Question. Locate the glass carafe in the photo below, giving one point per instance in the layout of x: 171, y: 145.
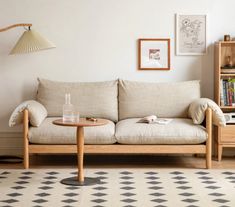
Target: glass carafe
x: 68, y: 109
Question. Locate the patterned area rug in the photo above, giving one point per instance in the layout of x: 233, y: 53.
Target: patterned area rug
x: 119, y: 188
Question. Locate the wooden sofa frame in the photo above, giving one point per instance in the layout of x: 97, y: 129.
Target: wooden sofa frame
x: 204, y: 148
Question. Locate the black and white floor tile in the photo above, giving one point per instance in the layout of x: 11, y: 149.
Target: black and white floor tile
x: 119, y: 188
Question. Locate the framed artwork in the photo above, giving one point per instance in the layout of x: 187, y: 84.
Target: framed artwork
x: 191, y: 34
x: 154, y: 54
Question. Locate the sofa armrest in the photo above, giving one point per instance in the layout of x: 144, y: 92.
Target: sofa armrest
x: 37, y: 113
x: 197, y: 111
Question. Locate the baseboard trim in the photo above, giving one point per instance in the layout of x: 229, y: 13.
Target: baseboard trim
x: 11, y: 143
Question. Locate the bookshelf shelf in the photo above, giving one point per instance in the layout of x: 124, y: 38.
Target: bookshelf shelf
x: 227, y: 107
x: 227, y: 43
x: 224, y: 92
x: 227, y: 75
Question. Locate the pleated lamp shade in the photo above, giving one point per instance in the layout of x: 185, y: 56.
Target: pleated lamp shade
x: 31, y: 41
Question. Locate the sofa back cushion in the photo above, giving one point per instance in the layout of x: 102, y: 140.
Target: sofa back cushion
x: 139, y: 99
x: 93, y: 99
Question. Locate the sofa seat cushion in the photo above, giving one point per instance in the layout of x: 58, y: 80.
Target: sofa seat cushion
x: 178, y: 131
x: 48, y: 133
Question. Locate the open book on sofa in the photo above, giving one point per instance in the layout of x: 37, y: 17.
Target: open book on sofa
x: 153, y: 119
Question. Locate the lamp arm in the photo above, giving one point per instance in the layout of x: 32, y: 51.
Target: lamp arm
x: 15, y: 25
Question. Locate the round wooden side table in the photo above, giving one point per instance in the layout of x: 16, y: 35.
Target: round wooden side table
x: 80, y: 180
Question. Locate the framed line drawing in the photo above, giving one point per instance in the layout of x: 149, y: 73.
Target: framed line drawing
x: 154, y: 54
x: 191, y: 34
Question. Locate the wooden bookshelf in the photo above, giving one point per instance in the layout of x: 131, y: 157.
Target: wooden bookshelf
x: 225, y: 136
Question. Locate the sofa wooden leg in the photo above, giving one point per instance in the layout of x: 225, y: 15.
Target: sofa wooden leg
x: 26, y: 141
x: 26, y: 161
x: 26, y: 154
x: 209, y: 138
x: 208, y: 160
x: 208, y: 154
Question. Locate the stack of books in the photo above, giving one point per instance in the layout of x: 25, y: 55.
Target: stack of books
x: 227, y: 92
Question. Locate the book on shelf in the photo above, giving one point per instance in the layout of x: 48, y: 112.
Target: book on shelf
x: 227, y: 92
x: 229, y: 71
x: 152, y: 119
x: 221, y: 93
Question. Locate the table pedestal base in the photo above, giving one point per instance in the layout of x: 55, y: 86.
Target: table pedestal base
x: 74, y: 181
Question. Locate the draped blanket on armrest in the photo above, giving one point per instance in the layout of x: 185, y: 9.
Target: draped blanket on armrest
x: 37, y: 113
x: 197, y: 111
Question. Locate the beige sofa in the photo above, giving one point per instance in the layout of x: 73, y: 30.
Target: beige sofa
x: 123, y: 103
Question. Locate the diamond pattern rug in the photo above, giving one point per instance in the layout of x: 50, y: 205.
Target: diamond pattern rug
x: 119, y: 188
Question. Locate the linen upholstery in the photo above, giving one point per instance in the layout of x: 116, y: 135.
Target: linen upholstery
x: 93, y: 99
x: 197, y: 110
x: 168, y: 100
x: 48, y: 133
x: 37, y: 113
x: 178, y: 131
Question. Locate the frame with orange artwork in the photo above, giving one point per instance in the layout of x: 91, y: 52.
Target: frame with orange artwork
x: 154, y: 54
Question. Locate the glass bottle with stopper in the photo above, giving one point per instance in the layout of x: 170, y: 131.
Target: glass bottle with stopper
x: 68, y: 109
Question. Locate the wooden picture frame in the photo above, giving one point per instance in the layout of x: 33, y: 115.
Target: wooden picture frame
x: 191, y: 34
x: 154, y: 54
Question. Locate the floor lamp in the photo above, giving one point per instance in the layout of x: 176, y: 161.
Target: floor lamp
x: 30, y: 41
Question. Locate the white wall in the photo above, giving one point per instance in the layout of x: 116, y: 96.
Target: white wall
x: 97, y: 40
